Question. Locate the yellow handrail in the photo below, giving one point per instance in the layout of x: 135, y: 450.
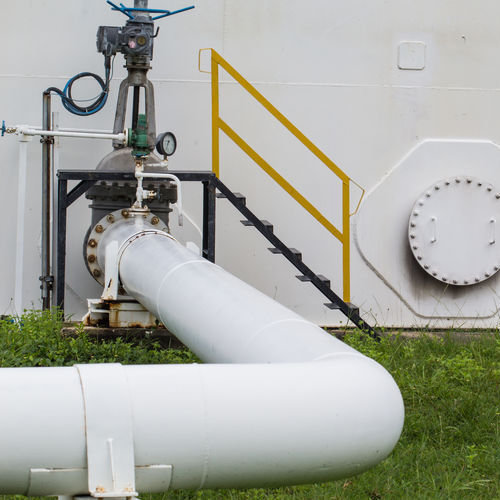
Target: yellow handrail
x: 219, y: 124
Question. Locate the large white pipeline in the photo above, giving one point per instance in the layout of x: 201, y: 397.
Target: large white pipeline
x: 287, y: 403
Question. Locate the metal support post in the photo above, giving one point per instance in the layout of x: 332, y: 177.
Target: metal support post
x: 209, y: 221
x: 61, y: 242
x: 46, y: 278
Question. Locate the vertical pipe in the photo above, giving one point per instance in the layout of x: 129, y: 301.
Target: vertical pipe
x: 208, y: 221
x: 62, y: 189
x: 46, y: 209
x: 215, y: 115
x: 21, y: 210
x: 53, y: 205
x: 141, y: 4
x: 135, y: 106
x: 346, y: 242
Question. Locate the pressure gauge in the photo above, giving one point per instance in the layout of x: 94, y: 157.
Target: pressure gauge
x: 166, y: 143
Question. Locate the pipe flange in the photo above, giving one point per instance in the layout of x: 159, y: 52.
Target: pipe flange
x: 453, y: 230
x: 100, y: 228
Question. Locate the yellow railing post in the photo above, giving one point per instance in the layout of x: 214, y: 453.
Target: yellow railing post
x: 346, y: 243
x: 215, y: 114
x: 218, y: 124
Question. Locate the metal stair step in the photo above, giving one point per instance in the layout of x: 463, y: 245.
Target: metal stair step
x: 303, y: 278
x: 296, y: 253
x: 352, y: 308
x: 324, y: 280
x: 240, y: 197
x: 306, y: 279
x: 269, y: 227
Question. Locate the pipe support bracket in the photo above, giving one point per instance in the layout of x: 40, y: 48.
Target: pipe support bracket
x: 108, y: 430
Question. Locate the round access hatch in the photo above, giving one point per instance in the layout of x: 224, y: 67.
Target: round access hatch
x: 453, y: 230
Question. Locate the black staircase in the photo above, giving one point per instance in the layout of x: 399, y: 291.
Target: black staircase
x: 295, y: 257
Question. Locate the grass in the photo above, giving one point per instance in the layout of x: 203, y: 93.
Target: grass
x: 450, y: 446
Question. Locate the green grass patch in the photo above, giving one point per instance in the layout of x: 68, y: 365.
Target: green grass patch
x: 450, y: 446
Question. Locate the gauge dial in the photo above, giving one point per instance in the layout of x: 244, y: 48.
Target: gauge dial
x: 166, y: 144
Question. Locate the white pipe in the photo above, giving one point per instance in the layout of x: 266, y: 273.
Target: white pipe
x: 140, y: 175
x: 90, y: 130
x: 68, y: 129
x: 290, y: 404
x: 20, y: 222
x: 21, y: 129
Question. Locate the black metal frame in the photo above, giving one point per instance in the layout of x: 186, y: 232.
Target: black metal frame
x: 210, y: 183
x: 88, y: 178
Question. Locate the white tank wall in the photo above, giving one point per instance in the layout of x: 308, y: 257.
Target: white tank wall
x: 333, y: 70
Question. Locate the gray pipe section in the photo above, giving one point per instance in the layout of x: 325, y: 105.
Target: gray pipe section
x: 46, y: 201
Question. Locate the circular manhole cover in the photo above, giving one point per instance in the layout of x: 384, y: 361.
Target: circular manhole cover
x: 453, y: 230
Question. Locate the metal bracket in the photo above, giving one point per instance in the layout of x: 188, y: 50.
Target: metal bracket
x: 109, y: 431
x: 47, y: 281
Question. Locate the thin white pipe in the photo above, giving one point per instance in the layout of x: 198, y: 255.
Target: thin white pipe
x: 59, y: 133
x: 69, y: 129
x: 20, y: 222
x: 90, y: 130
x: 140, y: 175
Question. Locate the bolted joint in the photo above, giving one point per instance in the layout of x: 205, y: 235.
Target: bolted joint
x: 47, y: 282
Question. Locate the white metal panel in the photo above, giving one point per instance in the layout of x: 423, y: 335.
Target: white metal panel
x: 332, y: 68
